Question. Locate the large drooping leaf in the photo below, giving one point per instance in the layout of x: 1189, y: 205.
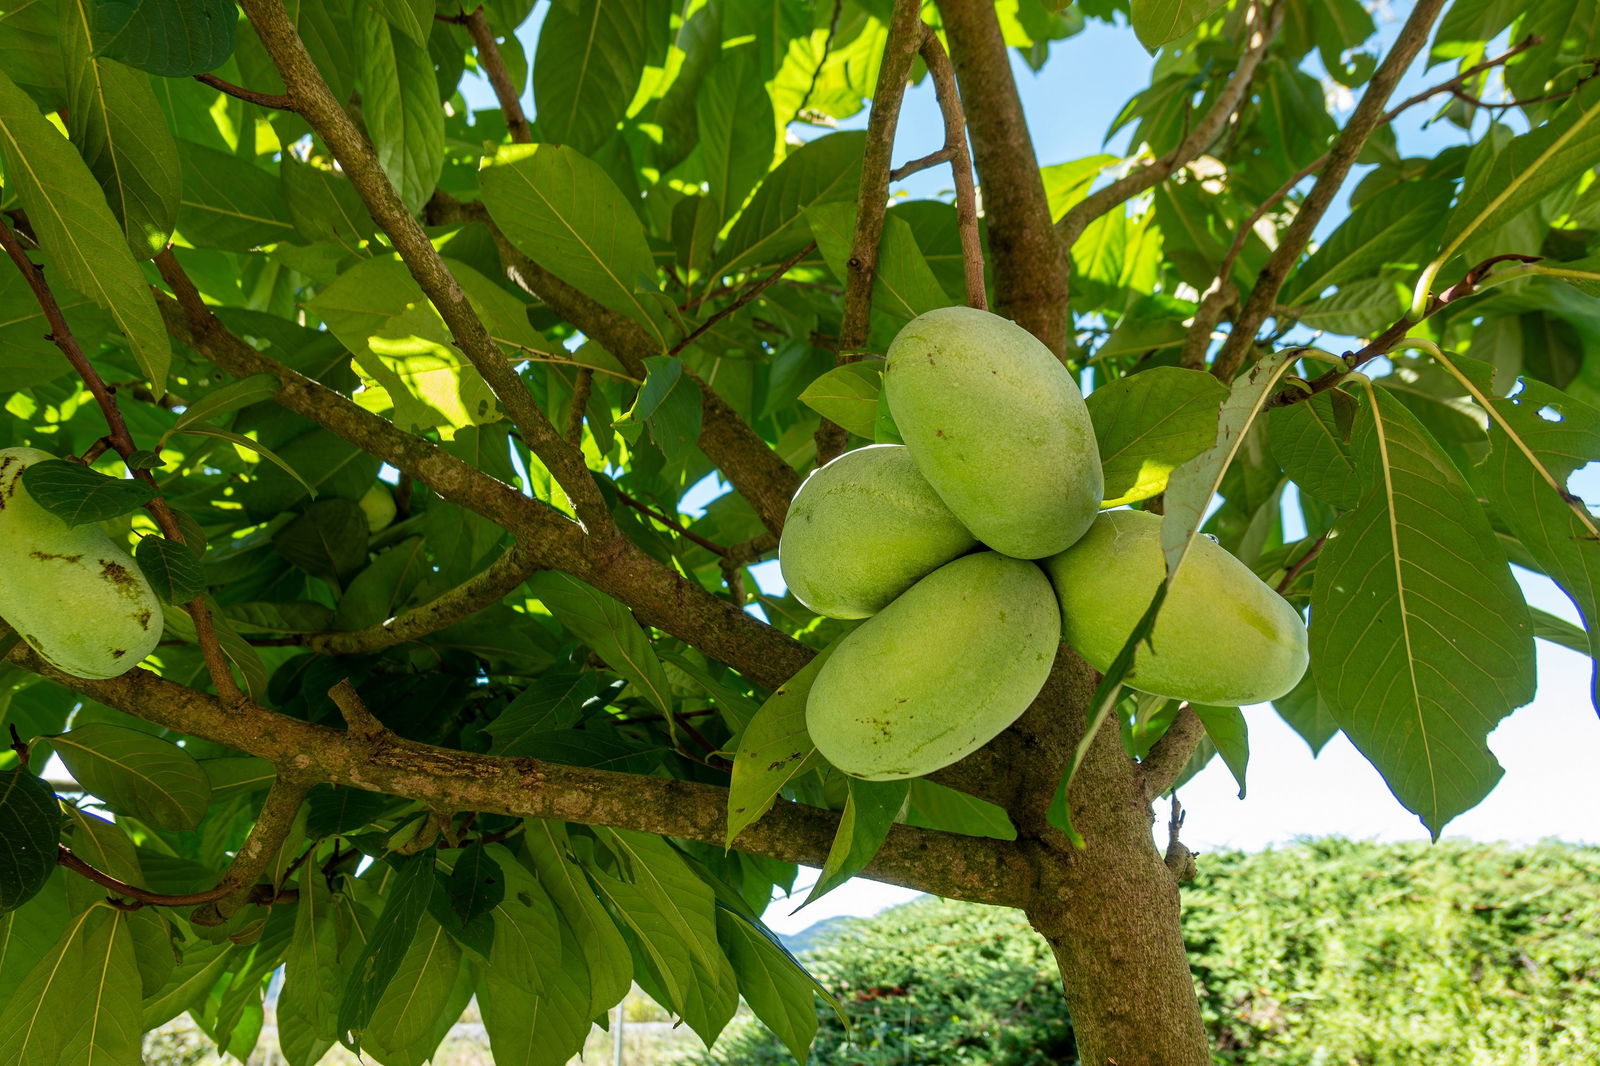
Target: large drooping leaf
x: 553, y: 701
x: 79, y: 1004
x: 587, y: 66
x: 773, y: 225
x: 78, y: 496
x: 870, y: 810
x: 1420, y: 639
x: 776, y: 987
x: 1147, y: 424
x: 424, y: 998
x: 113, y: 117
x: 401, y: 106
x: 137, y: 774
x: 596, y: 938
x: 1539, y: 437
x: 562, y: 210
x: 734, y: 115
x: 1398, y: 227
x: 172, y: 38
x: 405, y: 904
x: 81, y: 239
x: 848, y: 396
x: 30, y: 826
x: 1159, y: 21
x: 1501, y: 184
x: 1225, y: 728
x: 609, y: 628
x: 312, y: 975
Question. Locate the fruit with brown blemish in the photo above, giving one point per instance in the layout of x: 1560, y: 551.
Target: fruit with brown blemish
x: 1222, y: 637
x: 78, y: 599
x: 862, y: 530
x: 937, y: 673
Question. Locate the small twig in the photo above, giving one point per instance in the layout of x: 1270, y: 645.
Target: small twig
x: 1213, y: 305
x: 1501, y: 105
x: 749, y: 293
x: 359, y: 721
x: 494, y: 67
x: 955, y: 134
x: 1283, y: 191
x: 18, y: 745
x: 1179, y: 859
x: 872, y: 198
x: 580, y: 400
x: 1299, y: 565
x: 916, y: 166
x: 671, y: 523
x: 273, y: 101
x: 122, y: 440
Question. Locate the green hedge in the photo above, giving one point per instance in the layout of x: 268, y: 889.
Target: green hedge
x: 1327, y: 953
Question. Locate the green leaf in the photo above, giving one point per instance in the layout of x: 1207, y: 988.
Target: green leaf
x: 113, y: 117
x: 172, y: 38
x: 28, y: 933
x: 137, y: 774
x: 561, y: 208
x: 937, y: 807
x: 80, y: 237
x: 776, y: 987
x: 551, y: 702
x: 476, y: 884
x: 774, y: 749
x: 401, y: 106
x: 773, y: 225
x: 249, y: 445
x: 587, y: 67
x: 228, y: 202
x: 380, y: 591
x: 1314, y: 449
x: 405, y: 904
x: 1307, y: 714
x: 608, y: 628
x: 1225, y: 727
x: 734, y: 115
x: 669, y: 405
x: 323, y: 205
x: 1538, y: 438
x: 1420, y: 639
x: 527, y: 936
x: 312, y: 976
x: 1560, y: 632
x: 903, y: 284
x: 848, y: 396
x: 230, y: 397
x: 1150, y: 423
x: 1502, y: 184
x: 328, y: 540
x: 1395, y: 229
x: 424, y: 998
x: 870, y: 810
x: 1357, y: 309
x: 1159, y: 21
x: 239, y: 651
x: 599, y: 942
x: 171, y: 568
x: 30, y: 826
x: 79, y: 1005
x: 414, y: 18
x: 77, y: 495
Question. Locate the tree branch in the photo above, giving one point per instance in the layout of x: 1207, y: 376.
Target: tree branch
x: 494, y: 66
x: 959, y: 867
x: 658, y: 595
x: 271, y: 101
x: 955, y: 141
x: 1200, y: 138
x: 872, y: 199
x: 1366, y: 118
x: 315, y: 103
x: 1029, y: 260
x: 122, y: 440
x: 273, y: 824
x: 1171, y: 753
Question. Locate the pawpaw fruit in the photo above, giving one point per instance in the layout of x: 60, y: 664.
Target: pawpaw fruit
x: 1222, y: 637
x: 999, y: 428
x: 937, y: 673
x: 379, y: 507
x: 78, y: 600
x: 862, y: 530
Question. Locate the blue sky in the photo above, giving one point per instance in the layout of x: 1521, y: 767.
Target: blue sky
x: 1548, y: 748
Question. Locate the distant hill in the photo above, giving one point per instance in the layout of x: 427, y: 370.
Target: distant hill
x: 815, y: 932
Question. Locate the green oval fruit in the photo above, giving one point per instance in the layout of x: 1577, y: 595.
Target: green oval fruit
x: 998, y: 427
x: 378, y: 506
x: 862, y: 530
x: 937, y: 673
x: 77, y: 599
x: 1222, y: 637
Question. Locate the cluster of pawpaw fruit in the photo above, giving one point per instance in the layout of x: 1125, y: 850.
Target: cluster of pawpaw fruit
x: 75, y: 597
x: 978, y: 546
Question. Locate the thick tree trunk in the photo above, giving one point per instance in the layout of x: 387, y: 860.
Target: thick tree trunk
x: 1109, y: 910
